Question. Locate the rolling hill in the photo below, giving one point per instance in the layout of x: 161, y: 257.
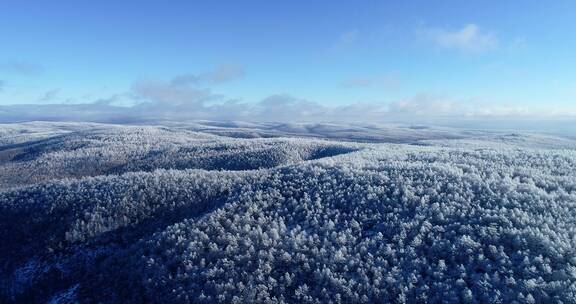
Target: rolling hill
x: 272, y: 213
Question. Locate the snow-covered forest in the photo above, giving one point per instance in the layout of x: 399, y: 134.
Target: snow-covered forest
x: 212, y: 212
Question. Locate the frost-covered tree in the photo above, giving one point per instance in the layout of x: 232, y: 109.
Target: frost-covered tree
x: 164, y: 215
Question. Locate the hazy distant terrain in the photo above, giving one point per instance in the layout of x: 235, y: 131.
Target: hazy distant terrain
x: 208, y: 211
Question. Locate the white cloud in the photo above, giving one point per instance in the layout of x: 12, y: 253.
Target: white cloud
x: 221, y: 74
x: 21, y: 68
x: 429, y: 105
x: 469, y: 38
x: 186, y: 100
x: 183, y: 92
x: 524, y: 112
x: 388, y: 81
x: 167, y: 93
x: 49, y: 95
x: 283, y: 107
x: 421, y: 109
x: 346, y: 39
x: 349, y: 37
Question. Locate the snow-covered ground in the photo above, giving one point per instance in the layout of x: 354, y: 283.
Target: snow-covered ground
x: 296, y: 213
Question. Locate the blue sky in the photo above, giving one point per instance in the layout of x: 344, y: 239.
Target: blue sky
x: 471, y: 57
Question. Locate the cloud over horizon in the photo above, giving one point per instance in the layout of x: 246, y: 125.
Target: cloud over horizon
x: 190, y: 97
x: 157, y: 102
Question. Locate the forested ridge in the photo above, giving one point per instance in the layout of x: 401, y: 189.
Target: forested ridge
x: 113, y: 214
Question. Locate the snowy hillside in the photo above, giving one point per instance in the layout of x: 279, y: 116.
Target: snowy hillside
x: 237, y: 212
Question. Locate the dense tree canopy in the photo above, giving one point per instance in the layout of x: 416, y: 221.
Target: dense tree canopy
x: 159, y: 215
